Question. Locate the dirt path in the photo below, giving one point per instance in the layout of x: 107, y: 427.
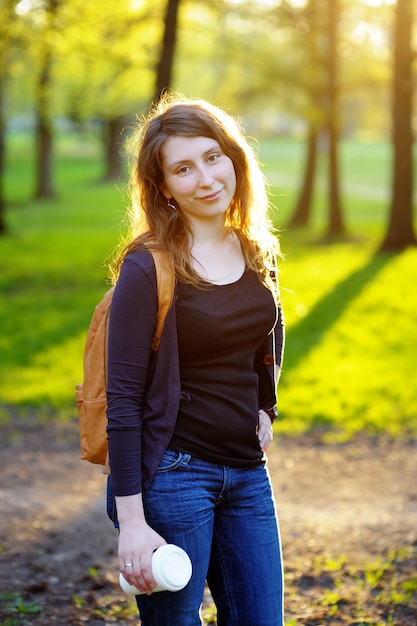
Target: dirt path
x: 344, y: 510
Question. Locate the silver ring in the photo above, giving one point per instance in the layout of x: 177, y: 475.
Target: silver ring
x: 128, y: 564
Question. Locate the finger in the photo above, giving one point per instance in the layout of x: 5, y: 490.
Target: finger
x: 263, y: 430
x: 131, y: 571
x: 140, y: 575
x: 126, y: 566
x: 265, y: 436
x: 262, y: 443
x: 128, y: 571
x: 146, y: 572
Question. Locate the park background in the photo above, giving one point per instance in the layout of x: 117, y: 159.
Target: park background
x: 326, y: 89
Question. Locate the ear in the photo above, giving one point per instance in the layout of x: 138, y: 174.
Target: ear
x: 166, y: 194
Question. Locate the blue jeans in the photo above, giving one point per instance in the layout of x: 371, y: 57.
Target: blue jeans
x: 225, y: 520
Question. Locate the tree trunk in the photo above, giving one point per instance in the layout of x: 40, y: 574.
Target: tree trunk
x: 113, y: 141
x: 335, y: 227
x: 400, y: 233
x: 164, y: 70
x: 44, y: 185
x: 44, y: 141
x: 302, y: 213
x: 2, y: 157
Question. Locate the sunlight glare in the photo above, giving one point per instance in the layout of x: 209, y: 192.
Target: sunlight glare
x: 365, y: 31
x: 270, y: 4
x: 378, y: 3
x: 23, y: 7
x: 136, y: 4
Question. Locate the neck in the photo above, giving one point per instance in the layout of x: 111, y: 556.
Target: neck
x: 211, y: 233
x: 217, y: 255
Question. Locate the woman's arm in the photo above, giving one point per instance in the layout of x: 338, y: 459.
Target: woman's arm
x: 269, y: 370
x: 131, y: 328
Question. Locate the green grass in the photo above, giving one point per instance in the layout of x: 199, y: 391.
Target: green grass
x: 53, y: 275
x: 350, y: 313
x: 365, y: 177
x: 351, y: 340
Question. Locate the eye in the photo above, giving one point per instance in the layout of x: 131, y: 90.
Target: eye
x: 213, y: 157
x: 184, y: 169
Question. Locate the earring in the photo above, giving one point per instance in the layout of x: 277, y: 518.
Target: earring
x: 174, y: 210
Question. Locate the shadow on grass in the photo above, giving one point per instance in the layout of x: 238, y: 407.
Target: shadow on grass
x: 305, y: 335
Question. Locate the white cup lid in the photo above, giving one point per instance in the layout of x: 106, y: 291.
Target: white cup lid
x: 172, y: 567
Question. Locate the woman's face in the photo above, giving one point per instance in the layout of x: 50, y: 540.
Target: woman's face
x: 198, y: 176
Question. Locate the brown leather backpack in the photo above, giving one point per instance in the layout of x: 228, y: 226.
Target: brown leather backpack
x: 91, y: 394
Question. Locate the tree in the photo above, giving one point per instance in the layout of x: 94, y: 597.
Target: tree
x: 114, y: 52
x: 323, y: 111
x: 8, y: 37
x: 335, y: 225
x: 163, y: 77
x: 302, y: 213
x: 400, y: 232
x: 44, y: 131
x: 164, y: 70
x: 2, y: 157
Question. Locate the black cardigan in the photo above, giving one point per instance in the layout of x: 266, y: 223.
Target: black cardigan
x: 144, y: 388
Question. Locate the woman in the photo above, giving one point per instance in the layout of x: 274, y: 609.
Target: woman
x: 188, y: 426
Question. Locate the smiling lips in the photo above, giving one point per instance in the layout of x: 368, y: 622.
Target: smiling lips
x: 211, y: 196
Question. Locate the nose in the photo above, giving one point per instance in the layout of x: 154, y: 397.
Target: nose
x: 205, y: 177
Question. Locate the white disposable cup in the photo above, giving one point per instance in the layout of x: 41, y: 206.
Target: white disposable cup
x: 171, y: 569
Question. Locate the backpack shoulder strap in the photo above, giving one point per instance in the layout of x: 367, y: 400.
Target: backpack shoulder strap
x: 165, y: 281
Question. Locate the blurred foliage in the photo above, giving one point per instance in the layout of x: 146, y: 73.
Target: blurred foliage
x: 351, y: 323
x: 253, y: 57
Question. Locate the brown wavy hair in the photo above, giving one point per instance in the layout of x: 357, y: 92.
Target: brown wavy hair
x: 150, y: 219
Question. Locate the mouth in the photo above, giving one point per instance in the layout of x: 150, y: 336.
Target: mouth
x: 211, y: 196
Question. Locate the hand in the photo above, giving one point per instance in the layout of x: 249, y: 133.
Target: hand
x: 136, y: 546
x: 137, y: 542
x: 265, y: 432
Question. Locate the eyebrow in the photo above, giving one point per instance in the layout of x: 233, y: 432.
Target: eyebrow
x: 215, y: 146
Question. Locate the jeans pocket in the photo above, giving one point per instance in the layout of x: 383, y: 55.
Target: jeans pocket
x: 171, y: 460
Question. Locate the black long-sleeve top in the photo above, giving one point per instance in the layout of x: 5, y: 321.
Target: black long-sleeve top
x: 220, y: 329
